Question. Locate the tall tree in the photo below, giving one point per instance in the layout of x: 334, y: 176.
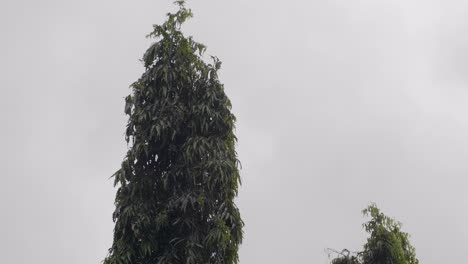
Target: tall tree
x: 178, y: 181
x: 387, y: 244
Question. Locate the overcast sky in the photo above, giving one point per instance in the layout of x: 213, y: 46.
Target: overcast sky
x: 339, y: 103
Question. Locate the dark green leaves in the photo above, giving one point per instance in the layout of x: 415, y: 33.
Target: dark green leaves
x: 175, y: 202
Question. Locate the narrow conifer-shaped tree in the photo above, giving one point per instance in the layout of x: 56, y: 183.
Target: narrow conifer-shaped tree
x: 178, y: 181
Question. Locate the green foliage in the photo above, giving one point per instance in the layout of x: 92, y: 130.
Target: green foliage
x: 387, y: 244
x: 345, y: 258
x: 178, y: 181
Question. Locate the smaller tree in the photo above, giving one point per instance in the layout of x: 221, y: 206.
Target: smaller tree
x: 387, y: 244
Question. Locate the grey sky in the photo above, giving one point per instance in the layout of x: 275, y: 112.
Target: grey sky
x: 339, y: 103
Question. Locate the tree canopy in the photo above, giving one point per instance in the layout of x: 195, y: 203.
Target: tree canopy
x: 387, y: 244
x: 178, y: 181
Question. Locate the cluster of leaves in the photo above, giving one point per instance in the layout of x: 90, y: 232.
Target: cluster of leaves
x: 345, y: 258
x: 178, y: 181
x: 387, y: 244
